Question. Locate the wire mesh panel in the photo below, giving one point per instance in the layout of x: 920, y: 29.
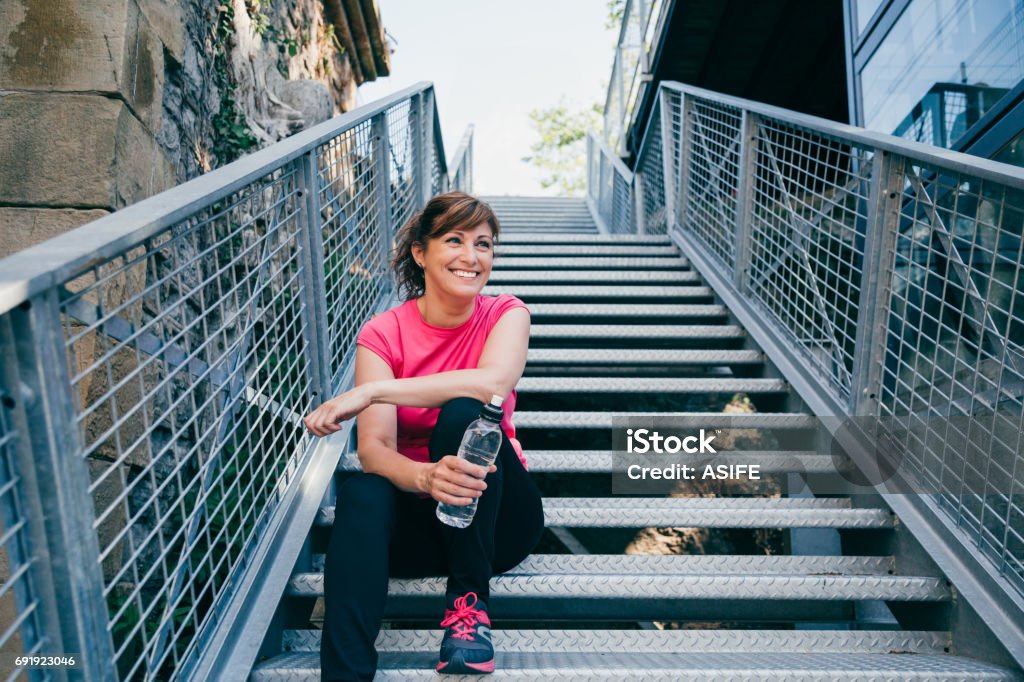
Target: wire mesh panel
x: 622, y: 205
x: 23, y: 633
x: 808, y: 207
x: 401, y: 174
x: 652, y: 169
x: 954, y: 349
x: 356, y: 237
x: 189, y: 373
x: 709, y: 198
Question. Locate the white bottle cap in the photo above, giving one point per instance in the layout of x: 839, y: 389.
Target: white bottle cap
x: 497, y: 400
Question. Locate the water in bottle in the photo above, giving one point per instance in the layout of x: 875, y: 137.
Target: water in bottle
x: 480, y: 446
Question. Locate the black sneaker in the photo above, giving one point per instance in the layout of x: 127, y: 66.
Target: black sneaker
x: 466, y: 648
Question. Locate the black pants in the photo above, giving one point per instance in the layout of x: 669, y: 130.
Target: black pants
x: 381, y: 531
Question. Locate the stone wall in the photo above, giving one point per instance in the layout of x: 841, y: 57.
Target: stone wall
x: 107, y: 102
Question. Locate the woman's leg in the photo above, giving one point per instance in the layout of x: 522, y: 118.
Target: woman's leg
x: 508, y: 521
x: 356, y: 577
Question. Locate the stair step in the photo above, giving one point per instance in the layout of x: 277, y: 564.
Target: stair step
x: 526, y: 419
x: 699, y: 512
x: 578, y: 250
x: 607, y: 262
x: 594, y: 385
x: 641, y: 356
x: 634, y: 585
x: 659, y: 641
x: 626, y: 310
x: 529, y: 292
x: 623, y: 277
x: 556, y: 238
x: 613, y: 332
x: 601, y: 461
x: 656, y: 665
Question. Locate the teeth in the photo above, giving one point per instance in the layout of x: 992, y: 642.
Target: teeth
x: 465, y: 274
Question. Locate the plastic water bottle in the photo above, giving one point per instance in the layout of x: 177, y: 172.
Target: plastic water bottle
x: 480, y: 446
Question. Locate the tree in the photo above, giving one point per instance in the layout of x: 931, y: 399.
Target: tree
x: 562, y: 149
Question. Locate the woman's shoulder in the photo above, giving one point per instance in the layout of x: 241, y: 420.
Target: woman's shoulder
x: 386, y: 320
x: 494, y: 307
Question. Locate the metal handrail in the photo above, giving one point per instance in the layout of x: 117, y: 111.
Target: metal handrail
x: 879, y: 275
x: 157, y: 363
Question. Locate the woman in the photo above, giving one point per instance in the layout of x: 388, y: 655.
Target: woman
x: 424, y: 369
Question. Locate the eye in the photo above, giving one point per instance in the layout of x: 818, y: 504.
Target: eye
x: 453, y: 239
x: 483, y: 243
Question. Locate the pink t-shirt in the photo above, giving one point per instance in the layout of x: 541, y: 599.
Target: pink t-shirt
x: 414, y: 348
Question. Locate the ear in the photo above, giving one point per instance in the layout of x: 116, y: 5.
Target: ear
x: 417, y: 251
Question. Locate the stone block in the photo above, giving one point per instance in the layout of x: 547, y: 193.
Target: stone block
x: 310, y: 97
x: 21, y: 228
x: 166, y: 17
x: 87, y: 151
x: 107, y: 46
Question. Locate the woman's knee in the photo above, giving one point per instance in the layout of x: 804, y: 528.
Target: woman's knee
x: 452, y: 420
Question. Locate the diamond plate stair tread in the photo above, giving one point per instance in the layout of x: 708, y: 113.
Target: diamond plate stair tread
x: 600, y: 461
x: 695, y: 564
x: 526, y: 291
x: 660, y: 641
x: 721, y: 667
x: 646, y: 356
x: 630, y: 331
x: 618, y: 277
x: 710, y: 420
x: 596, y: 310
x: 624, y: 263
x: 634, y: 585
x: 648, y: 385
x: 556, y: 238
x: 577, y: 250
x: 699, y: 512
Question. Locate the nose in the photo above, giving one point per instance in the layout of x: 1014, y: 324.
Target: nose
x: 469, y: 253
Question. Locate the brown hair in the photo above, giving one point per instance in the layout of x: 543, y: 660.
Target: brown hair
x: 441, y: 215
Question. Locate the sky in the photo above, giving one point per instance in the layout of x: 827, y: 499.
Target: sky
x: 491, y: 62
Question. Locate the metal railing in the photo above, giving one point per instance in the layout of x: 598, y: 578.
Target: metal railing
x: 643, y: 22
x: 460, y: 168
x: 609, y: 188
x: 157, y: 364
x: 884, y: 278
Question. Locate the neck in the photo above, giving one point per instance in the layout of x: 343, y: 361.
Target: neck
x: 444, y: 312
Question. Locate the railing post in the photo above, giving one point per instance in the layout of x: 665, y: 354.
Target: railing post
x: 881, y: 228
x: 668, y: 147
x: 639, y: 219
x: 427, y: 130
x: 314, y: 287
x: 679, y: 216
x: 62, y: 480
x: 28, y: 548
x: 746, y: 177
x: 419, y: 150
x: 382, y: 186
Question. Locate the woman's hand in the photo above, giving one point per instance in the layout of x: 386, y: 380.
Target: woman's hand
x: 326, y: 419
x: 453, y: 480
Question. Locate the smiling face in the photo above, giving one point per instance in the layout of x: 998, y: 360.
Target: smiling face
x: 458, y: 263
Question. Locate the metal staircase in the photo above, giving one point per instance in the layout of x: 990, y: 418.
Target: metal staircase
x: 619, y: 323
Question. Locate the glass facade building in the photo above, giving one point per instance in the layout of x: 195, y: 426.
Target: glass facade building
x: 943, y: 72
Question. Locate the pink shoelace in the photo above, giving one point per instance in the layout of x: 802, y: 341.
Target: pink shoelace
x: 464, y: 618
